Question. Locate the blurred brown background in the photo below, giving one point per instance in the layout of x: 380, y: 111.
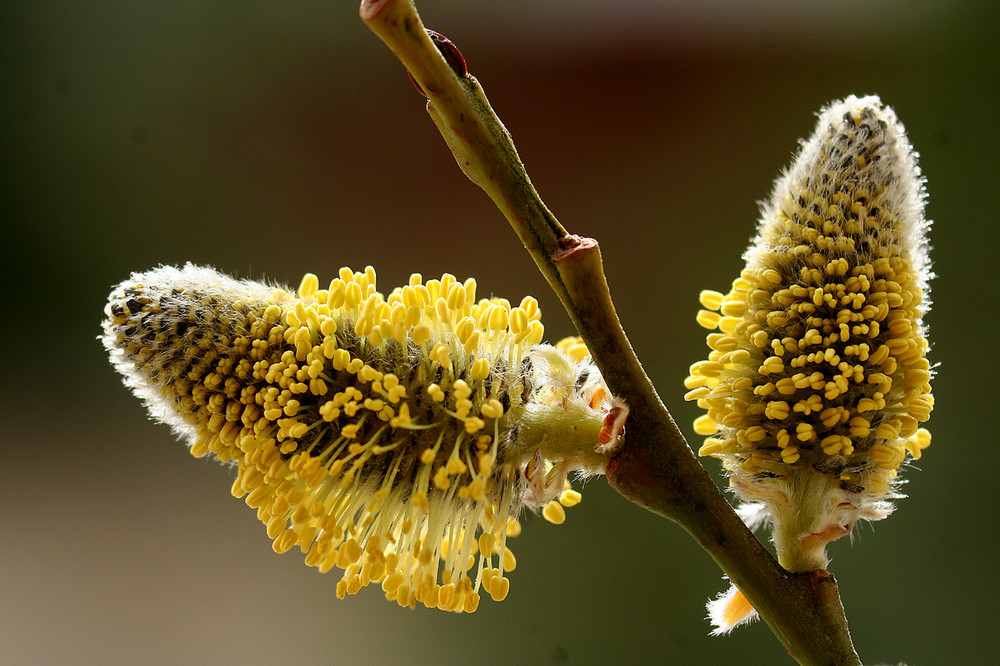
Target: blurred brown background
x: 274, y: 138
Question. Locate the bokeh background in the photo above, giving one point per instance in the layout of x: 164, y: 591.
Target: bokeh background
x: 273, y: 138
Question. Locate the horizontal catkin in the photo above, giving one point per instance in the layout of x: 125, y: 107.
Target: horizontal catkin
x: 375, y: 433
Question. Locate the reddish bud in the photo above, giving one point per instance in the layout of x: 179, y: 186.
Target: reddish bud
x: 451, y: 54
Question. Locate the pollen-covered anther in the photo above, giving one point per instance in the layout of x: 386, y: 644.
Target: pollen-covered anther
x: 554, y: 513
x: 379, y: 434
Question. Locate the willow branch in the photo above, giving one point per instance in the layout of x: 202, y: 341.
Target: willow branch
x: 654, y: 466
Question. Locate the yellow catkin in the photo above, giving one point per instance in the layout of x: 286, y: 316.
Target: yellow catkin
x: 377, y: 433
x: 818, y: 381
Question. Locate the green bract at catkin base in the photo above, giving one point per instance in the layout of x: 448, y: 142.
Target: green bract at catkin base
x: 395, y: 438
x: 817, y: 380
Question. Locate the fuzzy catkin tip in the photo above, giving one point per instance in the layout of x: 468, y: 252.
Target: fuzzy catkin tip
x: 729, y: 610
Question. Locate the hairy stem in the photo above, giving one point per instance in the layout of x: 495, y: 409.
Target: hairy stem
x: 654, y: 467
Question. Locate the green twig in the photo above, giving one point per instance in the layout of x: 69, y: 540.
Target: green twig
x: 654, y: 467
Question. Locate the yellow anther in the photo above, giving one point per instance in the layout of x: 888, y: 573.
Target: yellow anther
x: 809, y: 405
x: 369, y: 277
x: 441, y: 353
x: 786, y: 386
x: 465, y: 327
x: 472, y: 344
x: 885, y: 456
x: 916, y: 377
x: 518, y: 320
x: 498, y: 318
x: 918, y: 442
x: 765, y: 389
x: 397, y: 393
x: 570, y: 498
x: 554, y: 513
x: 908, y: 425
x: 336, y: 294
x: 889, y: 430
x: 341, y: 357
x: 711, y: 300
x: 728, y: 324
x: 697, y: 394
x: 441, y: 480
x: 442, y: 311
x: 760, y: 339
x: 830, y: 416
x: 771, y: 365
x: 705, y: 425
x: 303, y: 343
x: 832, y: 445
x: 492, y: 409
x: 804, y: 432
x: 771, y: 275
x: 777, y: 410
x: 474, y: 425
x: 707, y: 368
x: 501, y: 587
x: 509, y: 561
x: 297, y: 430
x: 799, y: 380
x: 436, y: 392
x: 537, y: 333
x: 353, y: 296
x: 530, y: 307
x: 721, y: 342
x: 421, y: 334
x: 708, y: 319
x: 485, y: 543
x: 480, y: 369
x: 369, y: 374
x: 733, y: 308
x: 742, y: 384
x: 877, y: 378
x: 859, y: 427
x: 461, y: 389
x: 456, y: 466
x: 470, y: 290
x: 790, y: 455
x: 308, y: 286
x: 456, y: 297
x: 693, y: 382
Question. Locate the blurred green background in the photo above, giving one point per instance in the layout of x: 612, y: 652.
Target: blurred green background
x: 273, y: 138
